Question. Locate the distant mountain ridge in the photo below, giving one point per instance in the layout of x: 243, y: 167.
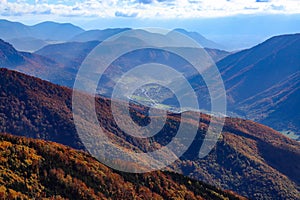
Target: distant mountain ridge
x: 32, y: 38
x: 44, y: 30
x: 243, y: 159
x: 37, y: 36
x: 97, y: 35
x: 200, y: 39
x: 101, y: 35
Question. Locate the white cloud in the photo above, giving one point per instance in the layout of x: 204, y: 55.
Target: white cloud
x: 148, y: 8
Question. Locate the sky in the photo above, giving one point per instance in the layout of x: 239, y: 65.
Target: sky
x: 147, y: 8
x: 240, y: 23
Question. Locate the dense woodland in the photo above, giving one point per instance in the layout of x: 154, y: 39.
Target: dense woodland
x: 37, y: 169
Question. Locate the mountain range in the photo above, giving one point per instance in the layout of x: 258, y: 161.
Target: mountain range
x: 242, y: 161
x: 250, y: 159
x: 261, y: 82
x: 44, y: 31
x: 32, y: 38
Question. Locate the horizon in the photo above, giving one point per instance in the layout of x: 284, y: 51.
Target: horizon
x: 238, y: 24
x: 233, y: 32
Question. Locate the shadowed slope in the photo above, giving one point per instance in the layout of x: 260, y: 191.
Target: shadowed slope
x: 243, y: 160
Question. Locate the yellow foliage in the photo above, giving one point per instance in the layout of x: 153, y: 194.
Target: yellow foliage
x: 5, y: 144
x: 2, y: 192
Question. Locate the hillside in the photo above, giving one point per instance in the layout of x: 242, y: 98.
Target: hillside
x: 70, y: 54
x: 33, y: 64
x: 34, y: 108
x: 9, y: 56
x: 243, y: 160
x: 263, y: 66
x: 263, y: 81
x: 27, y: 44
x: 277, y: 106
x: 217, y: 54
x: 38, y: 169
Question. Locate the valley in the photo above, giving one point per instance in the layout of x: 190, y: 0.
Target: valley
x: 244, y: 149
x: 43, y: 154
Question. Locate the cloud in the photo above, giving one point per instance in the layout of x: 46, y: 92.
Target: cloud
x: 122, y: 14
x: 280, y: 7
x: 148, y: 8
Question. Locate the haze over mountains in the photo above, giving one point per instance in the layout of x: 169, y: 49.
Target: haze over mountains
x: 200, y: 39
x: 44, y: 30
x: 98, y: 35
x: 32, y: 38
x: 262, y: 84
